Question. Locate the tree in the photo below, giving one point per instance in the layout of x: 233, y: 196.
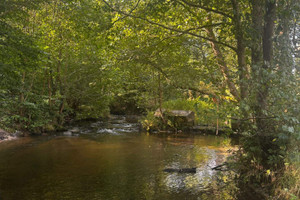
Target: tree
x: 19, y: 55
x: 254, y: 42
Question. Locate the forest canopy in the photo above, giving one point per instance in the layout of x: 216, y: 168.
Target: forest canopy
x: 225, y: 60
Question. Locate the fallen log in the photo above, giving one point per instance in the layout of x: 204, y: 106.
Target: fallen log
x: 182, y: 170
x: 220, y: 167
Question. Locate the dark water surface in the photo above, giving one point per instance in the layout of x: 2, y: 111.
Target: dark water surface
x: 109, y: 164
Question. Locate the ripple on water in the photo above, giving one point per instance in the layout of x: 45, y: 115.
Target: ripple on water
x: 121, y: 166
x: 108, y: 131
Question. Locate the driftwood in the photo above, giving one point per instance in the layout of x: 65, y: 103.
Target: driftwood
x: 220, y: 167
x: 183, y: 170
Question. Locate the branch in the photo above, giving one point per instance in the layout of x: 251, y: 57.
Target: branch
x: 174, y: 29
x: 201, y: 91
x: 130, y: 12
x: 207, y: 9
x: 169, y: 81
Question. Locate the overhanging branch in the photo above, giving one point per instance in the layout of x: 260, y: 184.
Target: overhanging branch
x: 206, y: 8
x: 135, y: 7
x: 187, y: 31
x: 172, y: 83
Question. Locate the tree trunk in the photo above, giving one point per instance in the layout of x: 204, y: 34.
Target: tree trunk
x: 222, y: 64
x: 257, y: 32
x: 241, y: 56
x: 61, y: 87
x: 160, y: 93
x: 22, y: 98
x: 262, y: 57
x: 49, y: 87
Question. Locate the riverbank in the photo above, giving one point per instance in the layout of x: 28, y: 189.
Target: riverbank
x: 6, y: 136
x: 83, y: 125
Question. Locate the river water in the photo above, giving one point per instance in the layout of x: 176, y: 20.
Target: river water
x: 110, y: 160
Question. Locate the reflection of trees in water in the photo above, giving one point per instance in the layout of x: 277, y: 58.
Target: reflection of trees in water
x: 193, y: 182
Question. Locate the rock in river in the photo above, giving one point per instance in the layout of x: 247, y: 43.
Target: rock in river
x: 4, y: 135
x: 74, y: 130
x: 67, y: 133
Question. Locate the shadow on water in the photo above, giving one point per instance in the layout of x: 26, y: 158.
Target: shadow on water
x: 110, y: 160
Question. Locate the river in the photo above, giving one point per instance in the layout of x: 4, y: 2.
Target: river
x: 108, y: 160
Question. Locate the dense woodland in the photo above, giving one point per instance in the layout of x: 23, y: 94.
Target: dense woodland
x: 228, y: 60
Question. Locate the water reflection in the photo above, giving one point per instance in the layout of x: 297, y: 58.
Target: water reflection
x: 203, y: 159
x: 107, y: 166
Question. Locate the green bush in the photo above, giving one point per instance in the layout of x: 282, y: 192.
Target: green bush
x: 150, y: 122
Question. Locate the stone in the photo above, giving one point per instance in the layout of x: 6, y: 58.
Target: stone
x: 3, y: 134
x: 74, y: 130
x: 67, y: 133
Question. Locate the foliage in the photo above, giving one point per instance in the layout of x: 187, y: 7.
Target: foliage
x: 206, y: 110
x: 61, y: 60
x: 150, y: 122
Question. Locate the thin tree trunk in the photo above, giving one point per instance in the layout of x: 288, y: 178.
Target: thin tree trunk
x: 222, y: 64
x: 154, y: 91
x: 23, y: 88
x: 49, y: 87
x: 160, y: 93
x: 60, y: 78
x: 217, y: 130
x: 22, y: 94
x: 31, y: 86
x: 61, y: 88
